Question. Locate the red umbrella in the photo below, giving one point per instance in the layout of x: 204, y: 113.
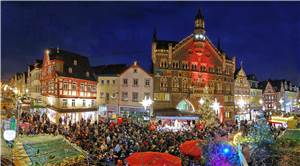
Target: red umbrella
x: 24, y: 125
x: 153, y: 159
x: 191, y: 148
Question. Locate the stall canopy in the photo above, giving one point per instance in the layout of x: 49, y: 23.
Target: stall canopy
x: 47, y: 150
x: 174, y: 114
x: 153, y: 159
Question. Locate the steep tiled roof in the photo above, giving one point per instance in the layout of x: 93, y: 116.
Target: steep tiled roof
x: 79, y: 70
x: 109, y: 70
x: 252, y: 77
x: 262, y: 85
x: 164, y: 44
x: 276, y: 84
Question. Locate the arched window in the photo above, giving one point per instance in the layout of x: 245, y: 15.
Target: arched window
x: 175, y: 82
x: 185, y: 105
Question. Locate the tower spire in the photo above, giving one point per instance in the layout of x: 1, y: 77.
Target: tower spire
x: 219, y: 45
x: 154, y: 35
x: 199, y: 23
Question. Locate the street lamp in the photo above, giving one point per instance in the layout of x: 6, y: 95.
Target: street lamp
x: 260, y: 101
x: 26, y: 90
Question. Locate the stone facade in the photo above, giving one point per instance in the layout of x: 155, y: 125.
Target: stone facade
x: 191, y: 69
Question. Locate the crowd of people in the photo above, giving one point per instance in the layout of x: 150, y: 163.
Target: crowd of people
x: 109, y: 143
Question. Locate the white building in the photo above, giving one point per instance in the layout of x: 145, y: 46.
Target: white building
x: 135, y: 85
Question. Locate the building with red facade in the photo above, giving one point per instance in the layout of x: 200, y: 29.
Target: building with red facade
x: 186, y: 71
x: 68, y: 85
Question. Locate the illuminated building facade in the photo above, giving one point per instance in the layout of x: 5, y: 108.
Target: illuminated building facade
x: 135, y: 84
x: 190, y: 69
x: 20, y: 83
x: 108, y: 88
x: 68, y: 84
x: 269, y: 96
x: 286, y: 95
x: 242, y: 95
x: 34, y: 81
x: 256, y: 99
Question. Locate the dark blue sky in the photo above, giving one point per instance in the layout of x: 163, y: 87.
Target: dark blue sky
x: 264, y: 35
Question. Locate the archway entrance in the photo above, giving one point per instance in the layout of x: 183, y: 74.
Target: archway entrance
x: 185, y: 105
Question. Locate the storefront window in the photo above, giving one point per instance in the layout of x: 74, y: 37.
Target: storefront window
x: 65, y: 102
x: 83, y: 103
x: 73, y: 103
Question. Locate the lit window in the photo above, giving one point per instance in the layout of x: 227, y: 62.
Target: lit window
x: 73, y: 102
x: 75, y: 62
x: 135, y: 82
x: 65, y: 102
x: 65, y: 87
x: 74, y: 86
x: 87, y: 74
x: 70, y: 69
x: 135, y: 96
x: 83, y: 103
x: 81, y: 87
x: 147, y: 82
x: 101, y: 95
x: 124, y: 96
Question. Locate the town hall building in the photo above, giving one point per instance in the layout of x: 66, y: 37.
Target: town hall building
x: 191, y: 69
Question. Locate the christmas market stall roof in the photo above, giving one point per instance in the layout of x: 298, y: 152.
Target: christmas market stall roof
x: 72, y: 110
x: 174, y: 114
x: 47, y: 150
x: 79, y: 69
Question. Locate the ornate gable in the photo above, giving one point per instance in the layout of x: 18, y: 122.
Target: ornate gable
x: 201, y: 52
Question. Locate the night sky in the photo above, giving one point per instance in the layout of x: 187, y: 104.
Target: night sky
x: 264, y: 35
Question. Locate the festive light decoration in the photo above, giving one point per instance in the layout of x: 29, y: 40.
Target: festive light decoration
x: 241, y: 103
x: 146, y: 102
x: 220, y: 154
x: 201, y: 101
x: 281, y: 101
x: 216, y: 106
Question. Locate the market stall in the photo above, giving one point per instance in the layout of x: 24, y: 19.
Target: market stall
x: 280, y: 121
x: 47, y: 150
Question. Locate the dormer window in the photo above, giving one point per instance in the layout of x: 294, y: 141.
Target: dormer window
x: 134, y: 70
x: 70, y: 69
x: 75, y: 62
x: 87, y: 74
